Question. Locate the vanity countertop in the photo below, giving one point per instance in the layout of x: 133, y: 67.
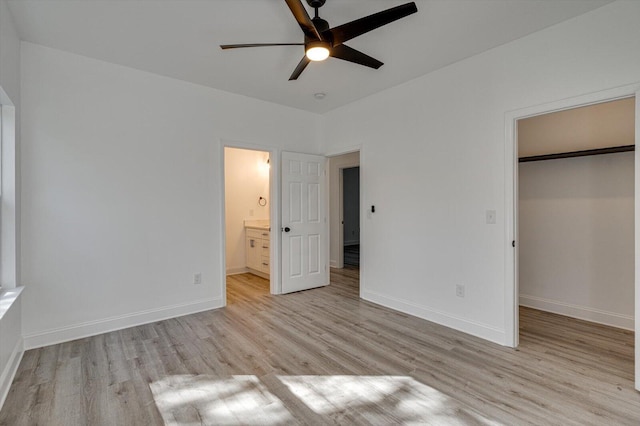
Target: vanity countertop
x: 257, y: 224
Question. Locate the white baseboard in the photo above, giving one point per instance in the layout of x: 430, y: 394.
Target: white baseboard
x: 333, y: 263
x: 474, y: 328
x: 259, y: 273
x: 10, y: 370
x: 581, y: 312
x: 92, y: 328
x: 237, y: 271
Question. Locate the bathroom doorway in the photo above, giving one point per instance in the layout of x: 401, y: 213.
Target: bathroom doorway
x: 247, y: 212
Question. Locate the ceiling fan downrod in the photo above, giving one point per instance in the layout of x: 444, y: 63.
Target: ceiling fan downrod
x: 316, y: 4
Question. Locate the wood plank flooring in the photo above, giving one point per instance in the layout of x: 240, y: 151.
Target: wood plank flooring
x: 324, y: 356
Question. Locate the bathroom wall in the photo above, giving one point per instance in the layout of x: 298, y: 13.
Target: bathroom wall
x: 246, y: 175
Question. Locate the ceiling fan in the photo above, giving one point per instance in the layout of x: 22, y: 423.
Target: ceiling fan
x: 320, y: 41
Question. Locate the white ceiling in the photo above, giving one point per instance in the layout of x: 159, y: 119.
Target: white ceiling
x: 180, y: 38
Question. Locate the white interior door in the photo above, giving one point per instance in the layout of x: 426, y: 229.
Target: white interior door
x: 637, y: 245
x: 305, y: 231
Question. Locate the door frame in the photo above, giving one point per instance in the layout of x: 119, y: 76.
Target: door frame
x: 511, y: 315
x: 274, y: 214
x: 335, y: 153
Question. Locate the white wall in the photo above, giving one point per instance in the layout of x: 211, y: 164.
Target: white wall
x: 576, y: 227
x: 11, y: 347
x: 336, y: 163
x: 10, y: 180
x: 433, y: 162
x: 121, y: 190
x: 246, y: 178
x: 9, y: 55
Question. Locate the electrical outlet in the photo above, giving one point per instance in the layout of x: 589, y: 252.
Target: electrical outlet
x: 197, y: 278
x: 460, y: 290
x: 491, y: 217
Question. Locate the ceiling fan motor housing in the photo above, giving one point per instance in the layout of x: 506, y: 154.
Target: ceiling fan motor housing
x: 316, y: 3
x: 323, y: 29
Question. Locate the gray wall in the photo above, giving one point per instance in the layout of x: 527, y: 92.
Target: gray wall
x: 351, y: 203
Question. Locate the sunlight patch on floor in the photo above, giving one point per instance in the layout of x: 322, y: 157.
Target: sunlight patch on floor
x: 324, y: 394
x: 207, y: 400
x: 401, y: 397
x: 271, y: 400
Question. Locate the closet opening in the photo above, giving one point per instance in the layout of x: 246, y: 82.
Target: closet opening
x: 575, y: 227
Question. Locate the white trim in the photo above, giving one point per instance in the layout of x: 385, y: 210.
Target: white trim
x: 339, y: 262
x: 258, y: 273
x: 10, y: 370
x: 477, y: 329
x: 347, y: 150
x: 576, y: 311
x: 8, y: 297
x: 9, y: 208
x: 511, y: 316
x: 92, y: 328
x: 340, y: 201
x: 511, y: 297
x: 237, y: 271
x: 10, y: 306
x: 637, y: 242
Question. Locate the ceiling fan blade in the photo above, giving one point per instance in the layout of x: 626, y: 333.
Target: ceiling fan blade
x: 301, y: 66
x: 237, y: 46
x: 301, y: 15
x: 346, y: 53
x: 360, y: 26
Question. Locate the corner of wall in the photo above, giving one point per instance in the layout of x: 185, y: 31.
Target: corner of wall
x: 11, y: 343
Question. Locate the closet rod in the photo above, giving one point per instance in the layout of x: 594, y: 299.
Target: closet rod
x: 612, y: 150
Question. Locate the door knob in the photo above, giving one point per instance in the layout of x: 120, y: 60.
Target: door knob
x: 286, y: 229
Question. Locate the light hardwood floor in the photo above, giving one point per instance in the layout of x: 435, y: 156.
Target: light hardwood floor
x: 326, y: 357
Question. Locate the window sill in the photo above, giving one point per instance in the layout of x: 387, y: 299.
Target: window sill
x: 7, y: 298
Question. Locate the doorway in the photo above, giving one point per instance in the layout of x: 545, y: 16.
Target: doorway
x: 346, y: 245
x: 247, y: 208
x: 512, y: 292
x: 351, y: 216
x: 576, y: 213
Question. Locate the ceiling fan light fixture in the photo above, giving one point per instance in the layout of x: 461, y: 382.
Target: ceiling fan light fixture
x: 317, y: 50
x: 322, y: 41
